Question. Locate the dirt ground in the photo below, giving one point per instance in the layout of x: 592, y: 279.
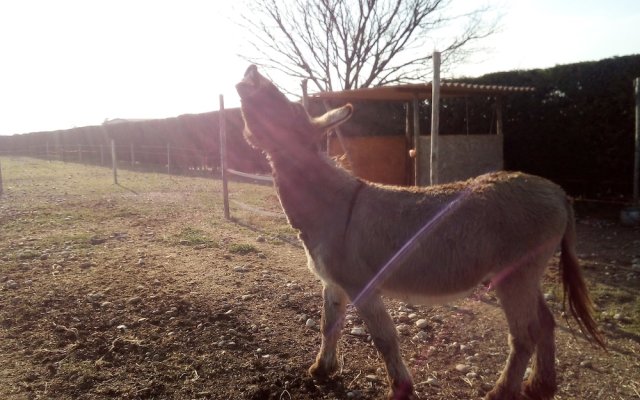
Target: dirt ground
x: 143, y: 291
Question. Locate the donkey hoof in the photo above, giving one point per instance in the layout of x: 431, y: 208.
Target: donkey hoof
x: 320, y: 371
x: 402, y: 391
x: 536, y: 390
x: 499, y: 393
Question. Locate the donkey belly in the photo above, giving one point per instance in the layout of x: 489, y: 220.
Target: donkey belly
x: 434, y: 284
x: 425, y: 298
x: 431, y: 274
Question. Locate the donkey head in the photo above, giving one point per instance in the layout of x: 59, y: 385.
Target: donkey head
x: 275, y: 124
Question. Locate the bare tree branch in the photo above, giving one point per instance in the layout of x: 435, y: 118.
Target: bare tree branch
x: 347, y: 44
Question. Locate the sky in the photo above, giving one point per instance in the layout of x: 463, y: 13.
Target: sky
x: 69, y: 63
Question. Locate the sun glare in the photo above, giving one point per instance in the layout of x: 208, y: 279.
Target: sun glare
x: 73, y: 63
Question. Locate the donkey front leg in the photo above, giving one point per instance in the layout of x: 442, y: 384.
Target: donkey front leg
x: 385, y: 338
x: 333, y: 310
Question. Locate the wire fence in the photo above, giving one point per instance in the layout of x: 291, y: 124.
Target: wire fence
x: 1, y: 187
x: 165, y: 157
x: 225, y: 172
x: 168, y: 157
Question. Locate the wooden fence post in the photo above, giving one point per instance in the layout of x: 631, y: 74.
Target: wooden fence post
x: 133, y: 156
x: 408, y: 132
x: 223, y: 158
x: 416, y: 140
x: 499, y: 119
x: 636, y: 158
x: 80, y: 153
x: 435, y: 118
x: 114, y: 162
x: 1, y: 189
x: 169, y: 158
x: 101, y: 154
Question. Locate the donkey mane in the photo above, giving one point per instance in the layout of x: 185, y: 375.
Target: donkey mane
x: 430, y: 244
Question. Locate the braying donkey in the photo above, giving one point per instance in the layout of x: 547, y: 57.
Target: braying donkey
x: 426, y: 245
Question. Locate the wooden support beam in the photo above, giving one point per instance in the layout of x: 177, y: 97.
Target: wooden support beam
x: 114, y: 162
x: 435, y: 119
x: 223, y: 158
x: 636, y: 158
x: 499, y: 102
x: 416, y: 141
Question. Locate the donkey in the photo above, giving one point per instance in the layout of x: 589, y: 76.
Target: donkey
x: 428, y: 244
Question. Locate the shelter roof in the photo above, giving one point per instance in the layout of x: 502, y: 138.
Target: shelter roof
x: 422, y: 91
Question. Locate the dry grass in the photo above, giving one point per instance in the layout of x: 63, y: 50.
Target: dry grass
x: 143, y: 290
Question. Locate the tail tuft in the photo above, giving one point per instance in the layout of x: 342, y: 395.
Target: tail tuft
x: 575, y: 289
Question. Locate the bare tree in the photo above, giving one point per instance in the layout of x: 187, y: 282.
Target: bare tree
x: 348, y: 44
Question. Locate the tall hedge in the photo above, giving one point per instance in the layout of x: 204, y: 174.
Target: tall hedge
x: 577, y: 128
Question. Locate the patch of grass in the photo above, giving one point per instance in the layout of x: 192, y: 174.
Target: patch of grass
x: 616, y: 300
x: 79, y: 240
x: 242, y: 248
x: 28, y: 255
x: 126, y: 213
x: 193, y: 237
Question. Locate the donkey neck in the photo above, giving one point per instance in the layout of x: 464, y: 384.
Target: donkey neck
x: 314, y: 193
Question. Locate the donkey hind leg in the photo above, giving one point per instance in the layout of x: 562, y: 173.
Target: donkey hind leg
x: 542, y: 382
x: 519, y: 295
x: 333, y: 311
x: 384, y: 335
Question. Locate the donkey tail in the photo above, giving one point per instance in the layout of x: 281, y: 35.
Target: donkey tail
x: 575, y: 289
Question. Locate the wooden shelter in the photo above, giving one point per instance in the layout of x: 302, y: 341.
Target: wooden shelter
x: 386, y: 159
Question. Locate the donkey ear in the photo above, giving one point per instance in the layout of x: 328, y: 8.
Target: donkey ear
x: 333, y: 118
